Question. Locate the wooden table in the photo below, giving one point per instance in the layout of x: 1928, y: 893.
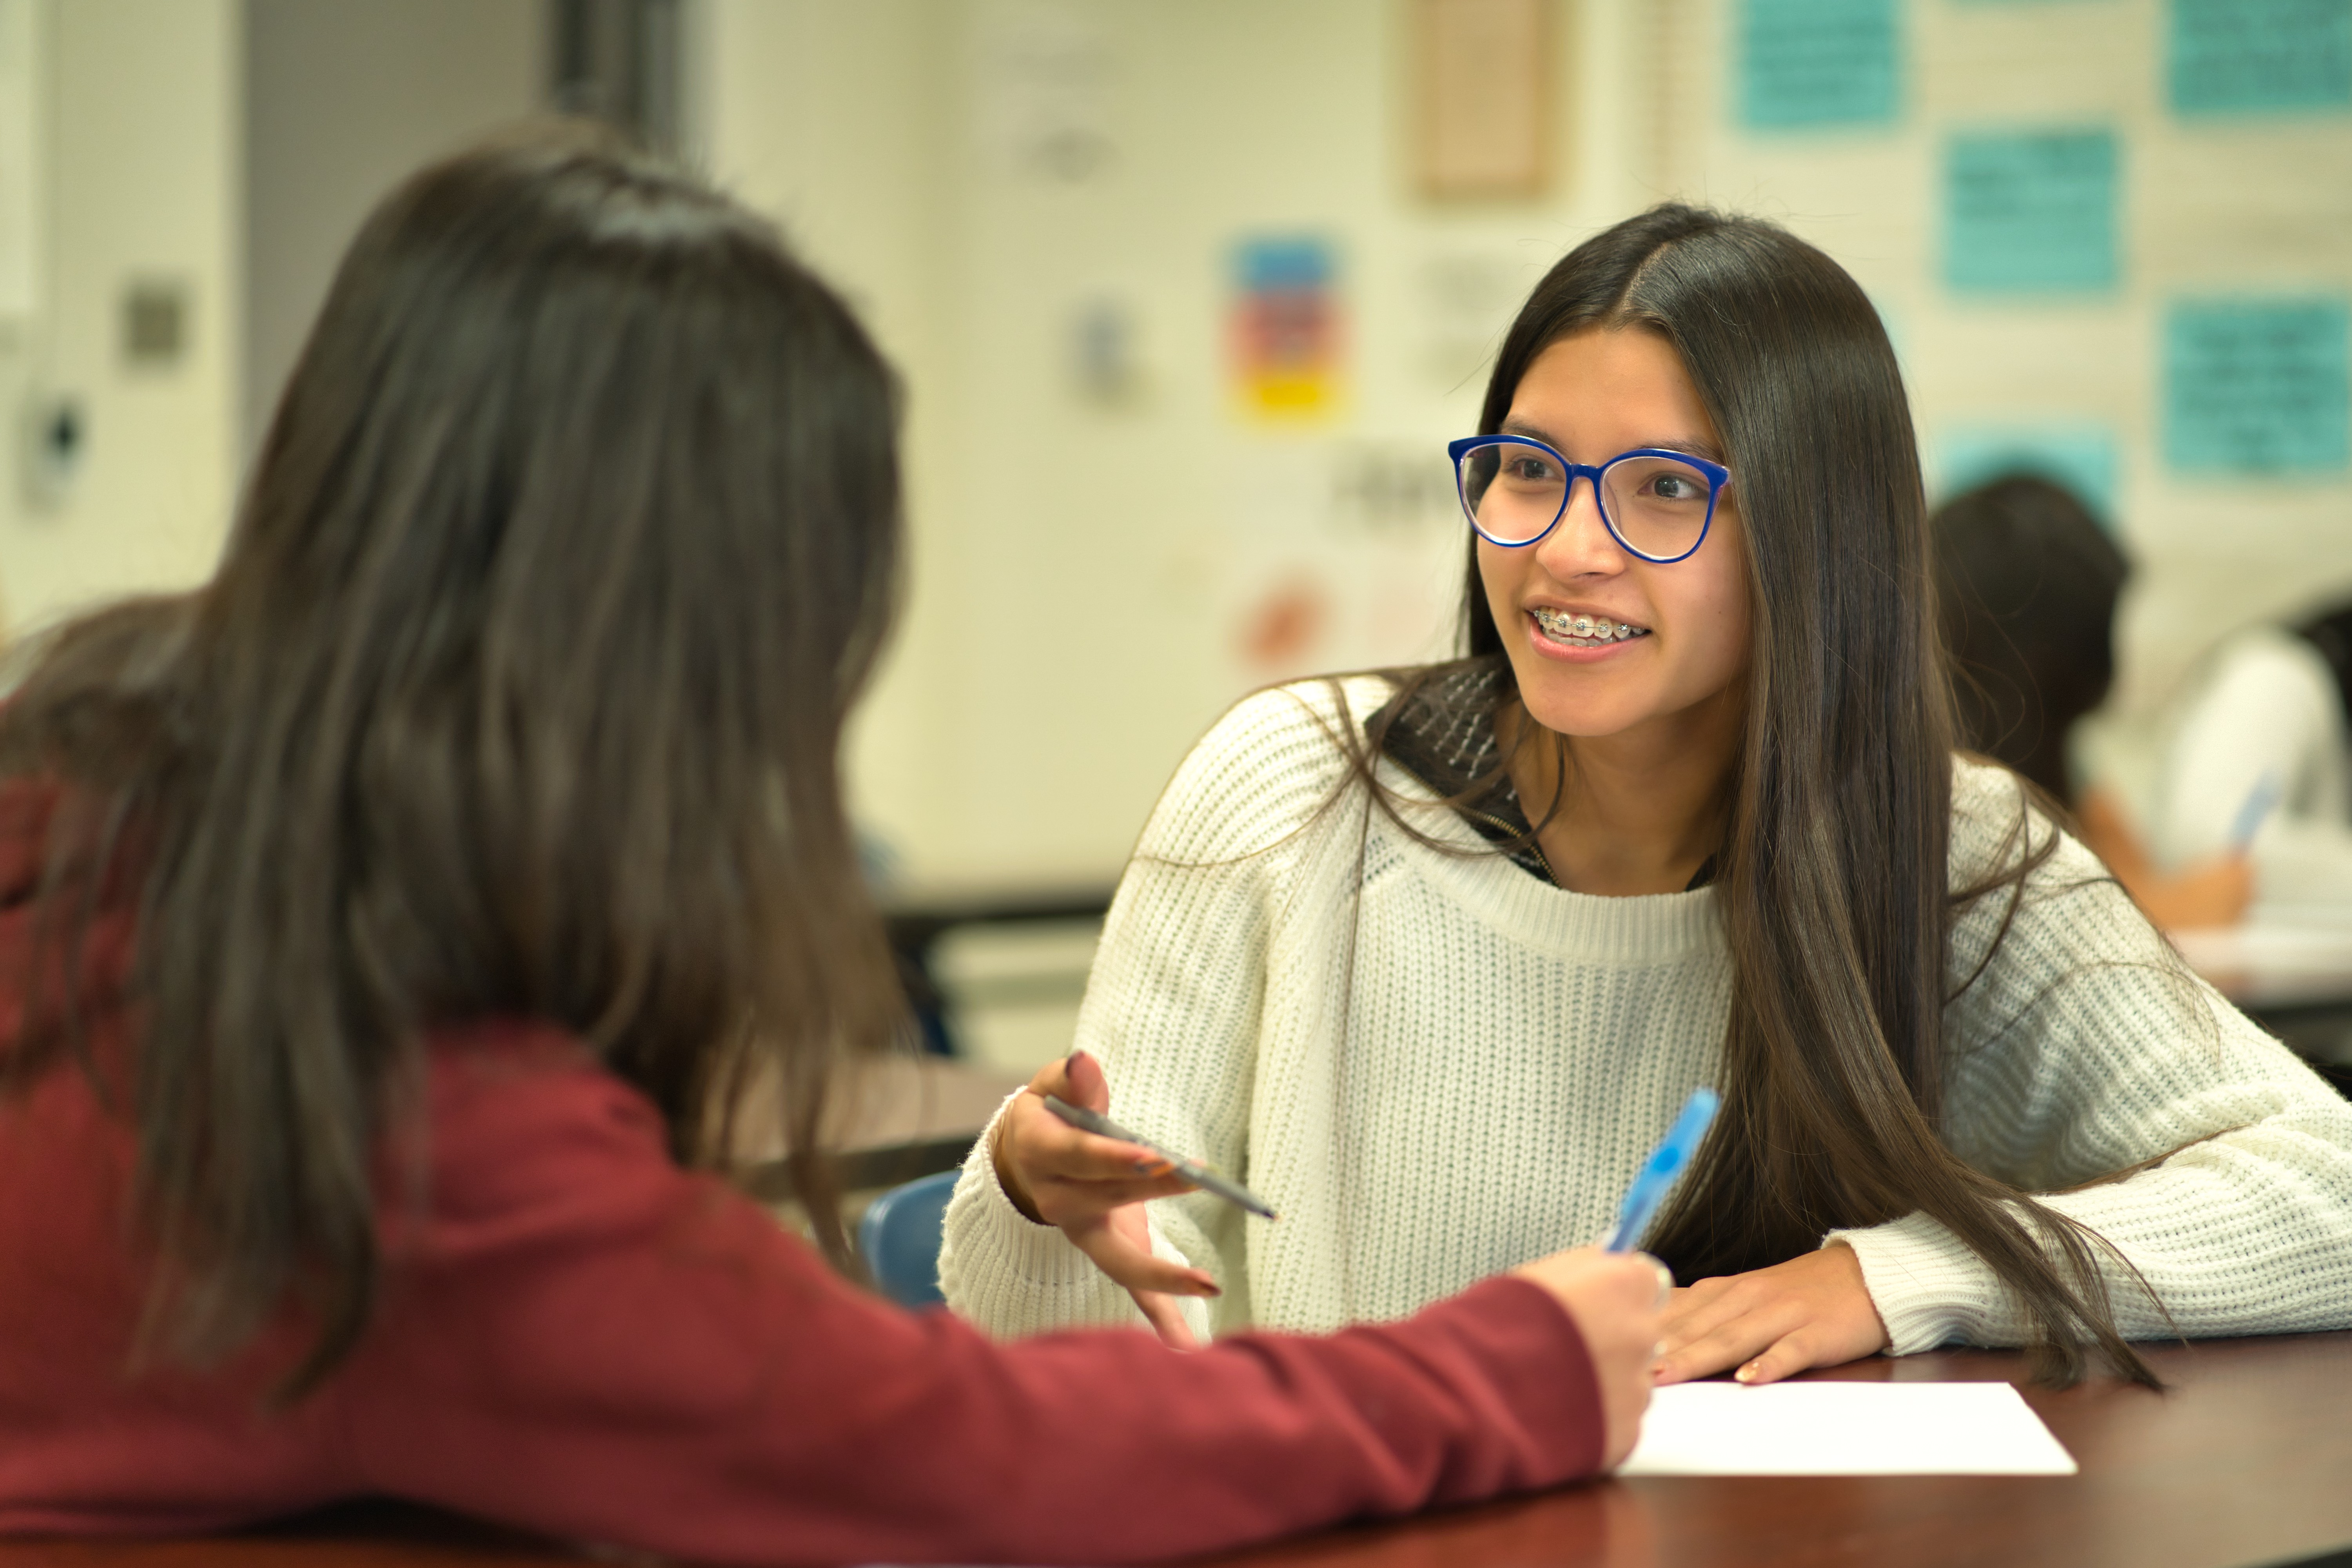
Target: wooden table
x: 2246, y: 1460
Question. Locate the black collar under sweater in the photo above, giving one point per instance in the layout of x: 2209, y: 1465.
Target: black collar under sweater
x: 1444, y: 735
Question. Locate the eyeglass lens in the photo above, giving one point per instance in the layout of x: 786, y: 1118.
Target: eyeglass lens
x: 1655, y: 506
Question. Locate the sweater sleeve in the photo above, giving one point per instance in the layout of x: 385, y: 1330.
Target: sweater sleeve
x: 2087, y: 1062
x: 1172, y: 1011
x: 584, y: 1339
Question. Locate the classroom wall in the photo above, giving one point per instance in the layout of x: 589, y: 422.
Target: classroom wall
x: 1092, y: 566
x: 1106, y: 547
x: 1096, y: 573
x: 137, y: 149
x: 1124, y: 566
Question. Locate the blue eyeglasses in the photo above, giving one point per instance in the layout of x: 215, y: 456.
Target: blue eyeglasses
x: 1657, y: 504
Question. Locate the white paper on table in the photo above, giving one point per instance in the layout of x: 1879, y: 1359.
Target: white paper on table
x: 1845, y: 1429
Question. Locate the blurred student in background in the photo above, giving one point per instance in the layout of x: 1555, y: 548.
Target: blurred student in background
x: 2249, y: 796
x: 391, y: 929
x: 2027, y: 584
x: 2255, y: 762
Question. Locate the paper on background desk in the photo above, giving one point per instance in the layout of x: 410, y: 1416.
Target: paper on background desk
x: 1845, y: 1429
x: 2273, y: 963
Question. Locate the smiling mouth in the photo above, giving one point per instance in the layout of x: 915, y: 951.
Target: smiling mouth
x: 1584, y: 631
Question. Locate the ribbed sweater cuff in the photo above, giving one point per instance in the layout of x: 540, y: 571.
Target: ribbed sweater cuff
x: 1007, y: 1245
x: 1928, y: 1287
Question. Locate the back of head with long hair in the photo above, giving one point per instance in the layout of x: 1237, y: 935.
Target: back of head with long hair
x: 1832, y: 880
x: 517, y: 693
x: 2027, y: 582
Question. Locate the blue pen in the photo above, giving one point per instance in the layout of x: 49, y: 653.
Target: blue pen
x: 2259, y: 802
x: 1664, y: 1167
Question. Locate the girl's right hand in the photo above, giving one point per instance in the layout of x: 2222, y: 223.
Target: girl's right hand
x: 1092, y: 1190
x: 1615, y: 1299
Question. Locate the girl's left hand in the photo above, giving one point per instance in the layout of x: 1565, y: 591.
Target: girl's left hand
x: 1812, y: 1311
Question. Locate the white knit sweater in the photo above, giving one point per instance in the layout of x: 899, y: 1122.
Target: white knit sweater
x: 1464, y: 1069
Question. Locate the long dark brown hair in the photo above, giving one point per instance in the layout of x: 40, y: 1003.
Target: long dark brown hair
x: 517, y: 693
x: 1832, y: 880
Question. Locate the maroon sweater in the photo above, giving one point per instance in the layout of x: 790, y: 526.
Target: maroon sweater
x: 577, y: 1336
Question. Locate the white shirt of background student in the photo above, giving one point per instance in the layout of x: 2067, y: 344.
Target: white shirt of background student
x: 2266, y: 707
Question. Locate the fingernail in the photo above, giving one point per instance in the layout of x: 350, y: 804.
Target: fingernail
x: 1745, y: 1374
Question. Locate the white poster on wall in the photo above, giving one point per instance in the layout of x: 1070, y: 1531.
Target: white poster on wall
x: 1339, y: 555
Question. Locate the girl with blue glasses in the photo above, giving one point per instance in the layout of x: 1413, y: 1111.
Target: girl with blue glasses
x: 1429, y: 957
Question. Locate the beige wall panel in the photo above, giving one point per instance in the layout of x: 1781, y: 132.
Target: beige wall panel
x: 141, y: 116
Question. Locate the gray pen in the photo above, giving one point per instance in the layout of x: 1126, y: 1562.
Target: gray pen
x: 1192, y: 1170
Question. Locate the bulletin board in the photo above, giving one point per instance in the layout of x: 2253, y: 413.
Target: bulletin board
x: 2112, y: 241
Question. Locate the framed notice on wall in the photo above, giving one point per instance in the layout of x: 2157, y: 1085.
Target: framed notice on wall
x: 1483, y: 81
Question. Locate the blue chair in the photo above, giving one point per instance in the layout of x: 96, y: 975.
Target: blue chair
x: 899, y: 1238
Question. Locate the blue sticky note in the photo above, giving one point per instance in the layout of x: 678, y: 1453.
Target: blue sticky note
x: 1815, y: 63
x: 2258, y: 386
x: 2259, y: 57
x: 2030, y: 211
x: 2080, y: 457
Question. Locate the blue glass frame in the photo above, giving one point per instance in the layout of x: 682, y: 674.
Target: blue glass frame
x: 1718, y: 476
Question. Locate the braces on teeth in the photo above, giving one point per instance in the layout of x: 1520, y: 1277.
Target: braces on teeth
x: 1584, y: 629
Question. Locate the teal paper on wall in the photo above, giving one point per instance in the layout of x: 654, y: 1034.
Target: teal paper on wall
x: 2081, y: 458
x: 2258, y: 386
x: 2030, y: 211
x: 1818, y: 63
x: 2259, y: 57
